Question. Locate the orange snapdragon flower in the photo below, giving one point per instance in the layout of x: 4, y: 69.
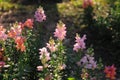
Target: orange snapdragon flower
x: 110, y: 72
x: 12, y: 34
x: 29, y: 23
x: 20, y: 43
x: 15, y: 31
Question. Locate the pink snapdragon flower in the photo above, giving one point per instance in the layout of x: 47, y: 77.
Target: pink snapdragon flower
x: 87, y: 62
x: 40, y: 15
x: 51, y: 45
x: 87, y: 3
x: 80, y: 44
x: 40, y: 68
x: 3, y: 35
x: 60, y: 31
x: 2, y: 63
x: 44, y: 54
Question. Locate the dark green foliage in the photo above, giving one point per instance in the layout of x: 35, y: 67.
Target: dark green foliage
x: 104, y: 33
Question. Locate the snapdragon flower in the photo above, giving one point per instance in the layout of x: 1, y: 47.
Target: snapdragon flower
x: 110, y: 72
x: 19, y: 40
x: 80, y: 44
x: 87, y: 3
x: 60, y: 31
x: 2, y: 63
x: 15, y: 31
x: 39, y: 68
x: 44, y: 54
x: 40, y: 15
x: 51, y: 45
x: 28, y: 23
x: 87, y: 62
x: 3, y: 35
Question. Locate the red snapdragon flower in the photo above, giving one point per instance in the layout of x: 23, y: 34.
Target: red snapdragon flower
x: 87, y: 3
x: 110, y: 72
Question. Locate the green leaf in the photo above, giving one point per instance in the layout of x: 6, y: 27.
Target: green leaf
x: 71, y: 78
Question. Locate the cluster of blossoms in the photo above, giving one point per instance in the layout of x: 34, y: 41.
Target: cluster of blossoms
x: 16, y: 33
x: 87, y: 3
x: 51, y: 56
x: 110, y: 72
x: 40, y: 15
x: 3, y: 37
x: 52, y: 48
x: 45, y: 55
x: 60, y: 33
x: 87, y: 62
x: 80, y: 44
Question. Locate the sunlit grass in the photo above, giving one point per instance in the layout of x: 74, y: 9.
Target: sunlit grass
x: 70, y: 8
x: 7, y: 5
